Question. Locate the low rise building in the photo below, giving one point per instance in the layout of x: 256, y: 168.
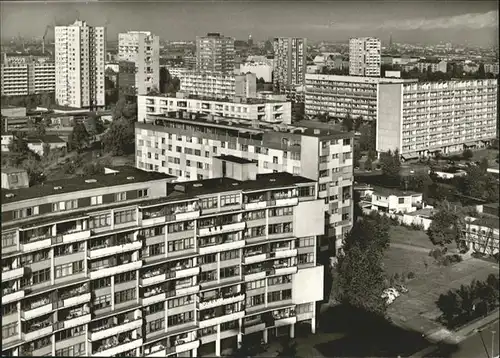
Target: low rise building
x: 147, y: 267
x: 482, y: 234
x: 187, y: 148
x: 36, y: 144
x: 260, y: 69
x: 422, y: 118
x: 341, y: 95
x: 7, y: 139
x: 218, y: 85
x: 393, y: 200
x: 426, y: 65
x: 261, y: 110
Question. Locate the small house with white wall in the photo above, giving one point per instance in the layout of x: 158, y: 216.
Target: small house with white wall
x: 393, y: 200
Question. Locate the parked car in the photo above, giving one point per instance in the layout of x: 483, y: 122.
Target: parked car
x: 402, y: 288
x: 393, y: 291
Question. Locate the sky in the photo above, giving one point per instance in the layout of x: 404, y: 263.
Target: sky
x: 423, y: 21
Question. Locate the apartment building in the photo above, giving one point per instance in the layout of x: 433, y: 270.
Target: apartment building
x: 177, y: 71
x: 218, y: 84
x: 215, y: 53
x: 27, y: 77
x: 143, y: 49
x: 364, y: 56
x: 482, y: 235
x: 427, y: 66
x: 130, y: 264
x: 290, y: 61
x: 423, y: 118
x: 186, y: 147
x: 261, y: 110
x: 262, y: 70
x: 491, y: 68
x: 80, y: 60
x: 341, y: 95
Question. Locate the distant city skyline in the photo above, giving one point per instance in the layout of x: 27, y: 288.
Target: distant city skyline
x: 474, y: 22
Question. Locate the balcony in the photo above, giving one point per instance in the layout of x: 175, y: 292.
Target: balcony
x: 284, y: 270
x: 153, y: 220
x: 77, y: 299
x: 40, y: 308
x: 182, y: 346
x: 254, y: 328
x: 222, y: 319
x: 119, y: 349
x: 77, y: 321
x: 116, y: 249
x: 183, y: 272
x: 115, y: 270
x: 75, y: 236
x: 189, y: 290
x: 286, y: 202
x: 251, y: 259
x: 108, y: 330
x: 285, y: 321
x: 283, y: 253
x: 154, y: 297
x: 39, y: 332
x: 36, y: 245
x: 188, y: 215
x: 256, y: 205
x: 13, y: 274
x: 221, y: 301
x: 232, y: 245
x: 222, y: 229
x: 261, y: 274
x: 9, y: 296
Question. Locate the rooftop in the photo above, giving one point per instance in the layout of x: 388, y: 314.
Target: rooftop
x: 393, y: 191
x: 124, y: 175
x: 45, y: 139
x: 358, y: 79
x: 488, y: 221
x: 238, y: 100
x: 234, y: 159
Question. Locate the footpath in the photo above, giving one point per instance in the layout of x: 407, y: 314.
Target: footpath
x: 443, y: 335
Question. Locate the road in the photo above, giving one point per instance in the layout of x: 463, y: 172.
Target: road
x: 408, y: 247
x: 473, y: 346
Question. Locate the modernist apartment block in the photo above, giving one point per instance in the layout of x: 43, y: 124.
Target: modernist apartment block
x: 290, y: 62
x: 338, y: 96
x: 28, y: 77
x: 80, y: 60
x: 129, y: 264
x: 261, y: 110
x: 143, y: 49
x: 219, y: 84
x: 423, y: 118
x: 187, y: 148
x: 364, y: 56
x: 426, y: 66
x: 215, y: 53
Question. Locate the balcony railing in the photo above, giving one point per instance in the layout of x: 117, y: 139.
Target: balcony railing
x: 74, y: 235
x: 37, y: 309
x: 257, y: 204
x: 13, y: 274
x: 71, y: 321
x: 255, y: 275
x: 113, y: 330
x: 251, y: 258
x: 115, y: 270
x: 115, y: 249
x: 221, y: 301
x: 222, y: 229
x: 120, y: 348
x: 221, y: 246
x: 37, y: 245
x: 228, y: 317
x: 38, y: 331
x: 11, y: 295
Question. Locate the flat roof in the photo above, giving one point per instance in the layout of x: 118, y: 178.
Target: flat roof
x: 235, y: 159
x: 358, y: 79
x: 232, y: 101
x: 488, y: 221
x: 49, y: 138
x: 393, y: 191
x: 78, y: 183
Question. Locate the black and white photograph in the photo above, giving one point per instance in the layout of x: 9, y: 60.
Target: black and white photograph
x: 250, y: 178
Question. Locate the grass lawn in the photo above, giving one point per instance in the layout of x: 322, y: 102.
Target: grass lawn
x: 402, y: 261
x: 491, y: 154
x: 403, y: 235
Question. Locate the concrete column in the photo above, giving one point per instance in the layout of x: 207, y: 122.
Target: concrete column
x: 292, y: 330
x: 265, y: 336
x: 240, y: 334
x: 313, y: 325
x: 217, y: 342
x: 195, y: 353
x: 52, y: 268
x: 112, y: 292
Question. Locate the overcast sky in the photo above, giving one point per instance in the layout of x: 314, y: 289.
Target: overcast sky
x: 409, y: 21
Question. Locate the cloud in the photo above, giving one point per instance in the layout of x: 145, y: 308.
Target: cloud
x: 471, y: 21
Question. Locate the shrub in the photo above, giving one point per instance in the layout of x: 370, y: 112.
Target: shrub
x: 436, y: 253
x: 411, y: 275
x: 446, y: 261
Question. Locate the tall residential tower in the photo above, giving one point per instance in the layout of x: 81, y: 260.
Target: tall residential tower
x: 364, y: 57
x: 290, y: 60
x: 143, y: 49
x: 215, y: 53
x: 79, y: 57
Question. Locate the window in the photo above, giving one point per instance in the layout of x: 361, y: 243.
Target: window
x: 96, y: 200
x: 279, y: 296
x: 70, y: 333
x: 208, y: 276
x: 125, y: 277
x: 228, y: 272
x: 180, y: 318
x: 256, y: 300
x: 275, y: 160
x: 155, y: 250
x: 100, y: 283
x: 72, y: 351
x: 38, y: 277
x: 199, y: 165
x: 207, y: 259
x: 306, y: 258
x: 155, y: 308
x: 69, y: 269
x: 9, y: 308
x: 233, y: 199
x: 197, y: 152
x: 121, y: 196
x: 65, y: 205
x: 281, y: 211
x: 124, y: 216
x: 98, y: 221
x: 254, y: 215
x: 142, y: 193
x: 306, y: 242
x: 229, y: 255
x: 226, y: 326
x: 102, y: 302
x: 214, y: 149
x: 9, y: 239
x: 304, y: 308
x: 280, y: 228
x: 152, y: 231
x: 35, y: 257
x: 180, y: 245
x: 306, y: 191
x: 125, y: 295
x: 255, y: 231
x: 279, y: 280
x: 23, y: 213
x: 209, y: 203
x: 9, y: 330
x: 256, y: 284
x: 155, y: 326
x: 180, y: 301
x: 401, y: 200
x: 178, y: 149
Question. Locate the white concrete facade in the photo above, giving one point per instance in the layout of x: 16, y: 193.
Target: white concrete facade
x: 364, y: 56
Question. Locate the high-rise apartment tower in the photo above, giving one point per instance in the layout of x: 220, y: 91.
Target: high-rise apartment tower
x: 215, y: 52
x: 364, y: 57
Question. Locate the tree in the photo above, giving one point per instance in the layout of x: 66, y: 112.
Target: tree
x: 467, y: 154
x: 288, y: 349
x: 94, y: 125
x: 34, y: 170
x: 46, y: 100
x: 390, y: 163
x: 358, y: 121
x: 348, y: 123
x: 79, y: 138
x: 119, y: 108
x: 446, y: 226
x: 90, y: 169
x: 368, y: 164
x: 119, y: 139
x: 46, y: 149
x: 360, y: 273
x: 323, y: 117
x: 484, y: 164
